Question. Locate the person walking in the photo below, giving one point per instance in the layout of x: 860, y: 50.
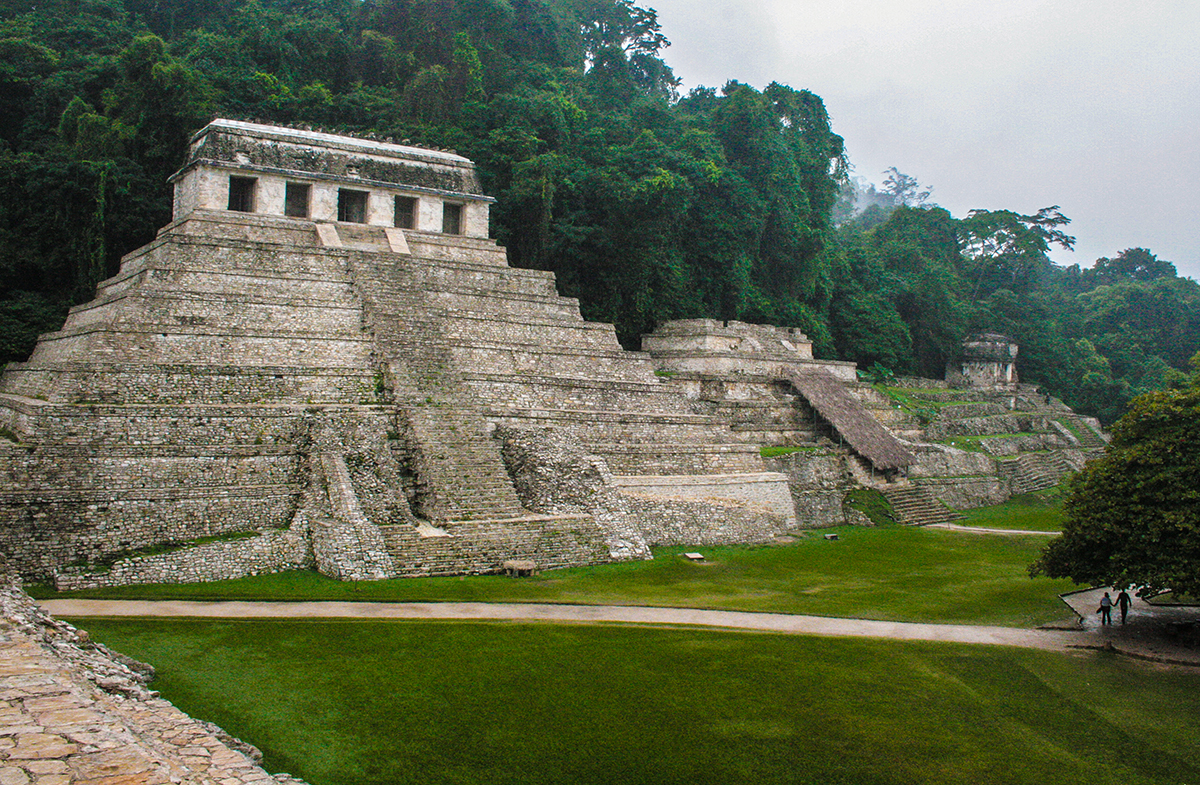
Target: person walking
x: 1123, y: 602
x: 1106, y: 604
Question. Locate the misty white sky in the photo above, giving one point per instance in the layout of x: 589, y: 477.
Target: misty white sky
x: 1091, y: 105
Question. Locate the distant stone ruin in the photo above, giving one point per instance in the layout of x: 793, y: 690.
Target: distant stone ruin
x: 323, y: 362
x: 989, y: 362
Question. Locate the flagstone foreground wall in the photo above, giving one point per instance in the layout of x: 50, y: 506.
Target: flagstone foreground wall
x: 74, y: 711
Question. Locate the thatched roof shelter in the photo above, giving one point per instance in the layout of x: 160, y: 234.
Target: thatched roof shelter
x: 865, y: 435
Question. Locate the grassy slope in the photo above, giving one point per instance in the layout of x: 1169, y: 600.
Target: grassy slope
x: 1040, y: 511
x: 369, y: 703
x: 892, y: 573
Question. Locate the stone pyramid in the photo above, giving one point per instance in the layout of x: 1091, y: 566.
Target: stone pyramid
x: 309, y: 367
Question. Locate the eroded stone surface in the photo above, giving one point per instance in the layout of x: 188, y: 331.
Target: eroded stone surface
x: 73, y: 712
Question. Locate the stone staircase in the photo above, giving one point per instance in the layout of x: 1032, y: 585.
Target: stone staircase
x: 915, y: 506
x: 457, y: 469
x: 1087, y: 437
x: 1034, y: 471
x: 509, y: 347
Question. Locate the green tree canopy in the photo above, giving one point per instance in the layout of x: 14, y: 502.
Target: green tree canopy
x: 726, y: 203
x: 1133, y: 517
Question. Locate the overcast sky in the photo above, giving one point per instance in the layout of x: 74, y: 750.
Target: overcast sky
x: 1018, y: 105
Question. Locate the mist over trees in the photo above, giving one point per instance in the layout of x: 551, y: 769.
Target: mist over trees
x: 729, y: 203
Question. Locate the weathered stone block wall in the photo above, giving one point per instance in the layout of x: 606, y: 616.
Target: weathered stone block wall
x: 104, y: 480
x: 184, y: 384
x: 478, y: 547
x: 548, y: 360
x: 819, y: 481
x: 119, y: 469
x: 963, y: 493
x: 146, y: 426
x: 961, y: 411
x: 553, y: 471
x: 529, y: 392
x: 633, y: 459
x: 468, y: 296
x: 77, y: 712
x: 528, y: 329
x: 1015, y: 445
x: 713, y: 337
x: 273, y: 551
x: 710, y: 522
x: 961, y: 479
x: 44, y: 530
x: 454, y: 248
x: 936, y: 460
x: 767, y: 491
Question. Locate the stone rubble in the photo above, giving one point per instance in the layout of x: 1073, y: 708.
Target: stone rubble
x: 74, y: 712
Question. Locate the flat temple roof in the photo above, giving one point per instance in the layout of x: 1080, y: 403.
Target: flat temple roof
x: 322, y: 139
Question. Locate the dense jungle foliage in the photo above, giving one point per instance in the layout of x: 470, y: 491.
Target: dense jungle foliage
x: 730, y: 203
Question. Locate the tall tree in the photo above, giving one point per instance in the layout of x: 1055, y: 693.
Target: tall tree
x: 1133, y: 517
x: 1011, y: 251
x: 1132, y: 264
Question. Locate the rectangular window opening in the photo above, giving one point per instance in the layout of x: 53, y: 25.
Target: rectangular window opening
x: 452, y: 218
x: 406, y: 213
x: 295, y: 200
x: 352, y: 206
x: 241, y: 194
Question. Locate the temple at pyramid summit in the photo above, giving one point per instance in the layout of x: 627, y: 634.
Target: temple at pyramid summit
x: 324, y: 362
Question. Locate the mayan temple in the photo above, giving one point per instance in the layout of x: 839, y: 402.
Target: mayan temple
x: 324, y: 362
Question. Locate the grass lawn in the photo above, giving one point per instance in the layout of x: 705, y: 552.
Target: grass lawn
x: 371, y: 703
x: 891, y: 573
x: 1041, y: 511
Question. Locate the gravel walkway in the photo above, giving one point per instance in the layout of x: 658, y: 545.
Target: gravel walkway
x: 954, y: 527
x: 1148, y: 635
x: 1055, y: 640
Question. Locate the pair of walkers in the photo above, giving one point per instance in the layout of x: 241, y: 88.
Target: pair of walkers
x: 1123, y: 602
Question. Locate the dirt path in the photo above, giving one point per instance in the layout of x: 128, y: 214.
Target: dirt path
x: 954, y: 527
x: 1054, y: 640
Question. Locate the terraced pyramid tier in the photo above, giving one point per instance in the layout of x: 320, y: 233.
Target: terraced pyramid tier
x: 310, y: 361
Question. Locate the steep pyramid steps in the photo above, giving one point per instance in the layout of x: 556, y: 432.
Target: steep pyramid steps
x: 459, y: 472
x: 914, y: 506
x: 1034, y: 471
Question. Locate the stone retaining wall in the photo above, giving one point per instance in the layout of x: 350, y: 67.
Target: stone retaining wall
x: 819, y: 481
x: 554, y: 473
x: 765, y: 490
x: 270, y: 552
x: 963, y: 493
x: 663, y: 521
x: 480, y: 547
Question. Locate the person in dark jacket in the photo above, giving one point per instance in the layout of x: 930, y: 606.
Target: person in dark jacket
x: 1123, y: 602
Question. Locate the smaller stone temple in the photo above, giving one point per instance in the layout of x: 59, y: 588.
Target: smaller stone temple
x: 989, y: 362
x: 712, y: 347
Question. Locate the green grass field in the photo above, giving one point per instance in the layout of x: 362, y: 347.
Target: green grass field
x: 371, y: 703
x: 468, y: 703
x: 1040, y: 511
x: 892, y: 573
